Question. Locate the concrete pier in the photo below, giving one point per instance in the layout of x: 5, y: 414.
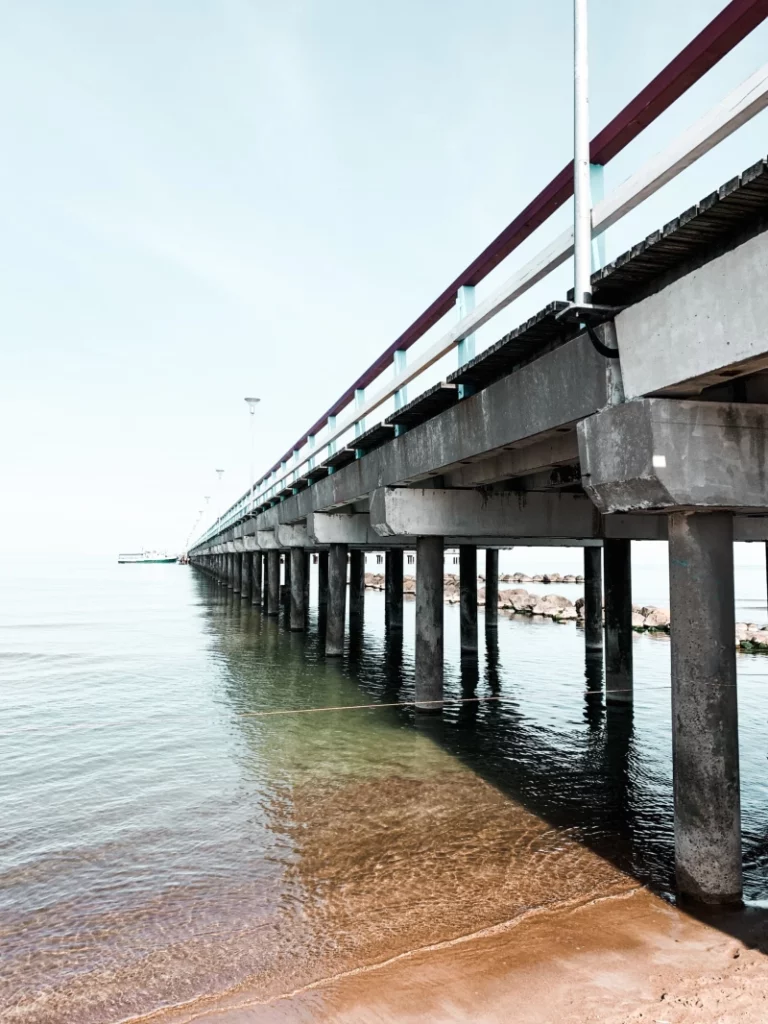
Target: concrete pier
x: 593, y: 599
x: 356, y: 586
x: 256, y: 572
x: 298, y: 589
x: 273, y: 583
x: 429, y: 624
x: 468, y: 598
x: 618, y: 621
x: 245, y: 576
x: 237, y: 573
x: 337, y: 600
x: 491, y: 588
x: 322, y: 579
x: 286, y: 590
x: 265, y: 582
x: 705, y: 747
x: 393, y: 584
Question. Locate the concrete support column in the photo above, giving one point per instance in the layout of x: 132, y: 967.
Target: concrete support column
x: 265, y: 581
x: 307, y: 564
x: 237, y: 578
x: 617, y: 566
x: 393, y: 588
x: 322, y: 579
x: 468, y: 598
x: 705, y: 739
x: 231, y: 571
x: 491, y: 588
x: 337, y: 600
x: 256, y: 571
x: 356, y: 586
x: 273, y: 583
x: 287, y: 567
x: 429, y: 623
x: 245, y: 579
x: 593, y: 599
x: 298, y: 592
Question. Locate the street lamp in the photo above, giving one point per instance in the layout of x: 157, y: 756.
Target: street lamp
x: 219, y: 474
x: 252, y: 403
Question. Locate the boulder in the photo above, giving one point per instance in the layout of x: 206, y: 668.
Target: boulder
x: 579, y: 607
x: 657, y: 619
x: 409, y: 585
x: 638, y: 621
x: 569, y: 578
x: 759, y: 639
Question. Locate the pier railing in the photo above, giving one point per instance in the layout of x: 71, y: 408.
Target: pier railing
x: 391, y: 373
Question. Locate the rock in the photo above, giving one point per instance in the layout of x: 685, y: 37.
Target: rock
x: 579, y: 607
x: 537, y: 579
x: 759, y: 639
x: 554, y: 606
x: 569, y: 579
x: 638, y: 620
x: 481, y: 597
x: 409, y: 585
x: 657, y: 619
x: 579, y: 579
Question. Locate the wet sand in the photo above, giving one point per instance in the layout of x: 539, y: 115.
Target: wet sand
x: 617, y: 960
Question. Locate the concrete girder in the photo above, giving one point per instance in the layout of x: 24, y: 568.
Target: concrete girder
x: 267, y: 540
x: 658, y: 453
x: 239, y: 545
x: 557, y: 450
x: 294, y: 536
x: 711, y: 319
x: 423, y: 512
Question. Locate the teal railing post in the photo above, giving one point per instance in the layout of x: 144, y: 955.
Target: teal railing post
x: 311, y: 442
x: 597, y: 183
x: 465, y: 301
x: 295, y: 470
x: 401, y: 395
x: 331, y: 444
x: 359, y: 424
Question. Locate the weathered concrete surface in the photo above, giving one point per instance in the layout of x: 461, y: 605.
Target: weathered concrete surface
x: 419, y: 511
x: 662, y: 453
x: 710, y: 319
x: 298, y: 589
x: 704, y: 708
x: 267, y: 540
x: 256, y: 575
x: 322, y: 579
x: 468, y: 598
x: 294, y: 536
x: 593, y: 599
x: 491, y: 588
x: 429, y: 624
x: 617, y: 568
x: 273, y: 582
x: 245, y: 576
x: 356, y: 587
x: 337, y: 600
x: 393, y: 598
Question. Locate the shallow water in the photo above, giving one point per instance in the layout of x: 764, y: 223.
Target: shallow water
x: 161, y: 839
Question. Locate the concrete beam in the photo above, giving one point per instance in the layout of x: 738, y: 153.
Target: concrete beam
x: 292, y: 536
x: 418, y: 512
x: 710, y: 320
x: 267, y: 540
x: 665, y: 454
x: 557, y: 450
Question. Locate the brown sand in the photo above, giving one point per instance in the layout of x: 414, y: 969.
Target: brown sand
x: 622, y: 959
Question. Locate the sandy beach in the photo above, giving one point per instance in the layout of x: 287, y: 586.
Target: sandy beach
x: 619, y: 960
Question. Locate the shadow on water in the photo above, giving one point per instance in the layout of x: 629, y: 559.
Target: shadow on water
x: 587, y: 778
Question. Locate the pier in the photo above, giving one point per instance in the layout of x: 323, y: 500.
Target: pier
x: 639, y: 414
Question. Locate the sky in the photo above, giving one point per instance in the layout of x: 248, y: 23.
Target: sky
x: 206, y: 199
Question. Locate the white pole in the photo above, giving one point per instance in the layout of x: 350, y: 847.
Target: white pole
x: 252, y: 403
x: 582, y: 200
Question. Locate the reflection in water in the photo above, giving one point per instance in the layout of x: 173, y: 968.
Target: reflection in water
x: 190, y: 840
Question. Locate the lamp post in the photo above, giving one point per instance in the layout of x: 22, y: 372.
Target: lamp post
x: 219, y: 474
x: 582, y: 199
x: 252, y: 403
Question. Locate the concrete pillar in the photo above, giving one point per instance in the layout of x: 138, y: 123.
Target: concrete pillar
x: 237, y: 581
x: 491, y: 588
x: 265, y: 581
x: 322, y: 579
x: 429, y: 623
x: 593, y: 599
x: 298, y: 591
x: 256, y: 578
x: 705, y: 740
x: 245, y: 579
x: 273, y: 583
x: 287, y: 566
x: 356, y: 586
x: 307, y: 565
x: 231, y: 571
x: 617, y: 566
x: 468, y: 598
x: 337, y: 600
x: 393, y: 588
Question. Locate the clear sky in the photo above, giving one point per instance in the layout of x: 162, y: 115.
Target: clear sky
x: 203, y: 199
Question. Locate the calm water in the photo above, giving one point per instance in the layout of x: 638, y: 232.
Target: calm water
x: 161, y: 839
